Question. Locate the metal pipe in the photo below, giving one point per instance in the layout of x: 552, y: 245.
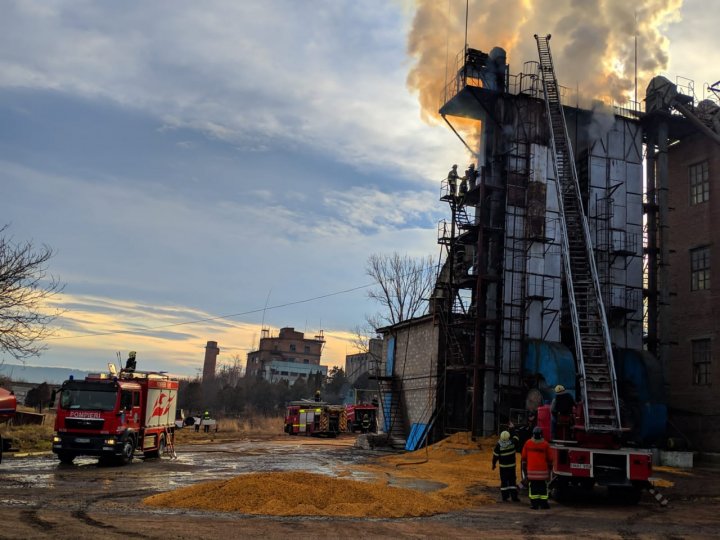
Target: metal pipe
x: 687, y: 113
x: 664, y: 249
x: 651, y: 211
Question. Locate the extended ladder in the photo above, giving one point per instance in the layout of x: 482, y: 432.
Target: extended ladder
x: 593, y: 349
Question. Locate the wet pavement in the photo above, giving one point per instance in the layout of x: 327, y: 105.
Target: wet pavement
x: 194, y: 463
x: 40, y: 498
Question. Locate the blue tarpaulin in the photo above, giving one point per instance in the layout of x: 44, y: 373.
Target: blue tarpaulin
x: 418, y: 434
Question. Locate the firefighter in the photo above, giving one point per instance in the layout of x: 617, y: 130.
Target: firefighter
x: 452, y: 180
x: 205, y: 421
x: 365, y: 424
x: 504, y: 453
x: 470, y: 177
x: 131, y: 362
x: 317, y: 396
x: 536, y: 467
x: 561, y: 410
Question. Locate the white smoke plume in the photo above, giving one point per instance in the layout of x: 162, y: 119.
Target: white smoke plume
x: 593, y: 41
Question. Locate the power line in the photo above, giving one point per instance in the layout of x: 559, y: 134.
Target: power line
x: 219, y: 317
x: 230, y: 316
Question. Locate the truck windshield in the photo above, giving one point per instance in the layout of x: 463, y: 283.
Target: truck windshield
x: 89, y: 399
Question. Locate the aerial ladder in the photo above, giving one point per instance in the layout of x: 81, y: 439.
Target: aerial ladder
x: 593, y: 349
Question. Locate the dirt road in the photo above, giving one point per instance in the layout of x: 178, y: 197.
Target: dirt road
x: 41, y: 499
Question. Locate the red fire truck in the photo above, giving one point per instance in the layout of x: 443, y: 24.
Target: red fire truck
x: 582, y: 459
x: 113, y: 416
x: 315, y: 418
x: 8, y: 404
x: 361, y: 417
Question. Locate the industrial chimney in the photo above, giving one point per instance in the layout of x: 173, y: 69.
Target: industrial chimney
x: 211, y: 354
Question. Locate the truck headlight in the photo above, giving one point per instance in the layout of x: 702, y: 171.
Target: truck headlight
x: 110, y: 441
x: 56, y: 439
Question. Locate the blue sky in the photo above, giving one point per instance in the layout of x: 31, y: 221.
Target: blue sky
x: 188, y: 160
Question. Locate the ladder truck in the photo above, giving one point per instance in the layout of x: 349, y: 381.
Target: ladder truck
x: 592, y: 451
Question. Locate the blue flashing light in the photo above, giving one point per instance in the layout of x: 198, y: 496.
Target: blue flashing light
x: 71, y: 377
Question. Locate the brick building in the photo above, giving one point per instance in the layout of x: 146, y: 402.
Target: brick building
x: 694, y: 241
x: 287, y: 356
x: 409, y: 375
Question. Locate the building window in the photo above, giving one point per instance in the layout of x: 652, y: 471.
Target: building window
x: 702, y: 358
x: 292, y: 348
x: 307, y: 348
x: 699, y: 182
x: 306, y: 361
x: 700, y: 269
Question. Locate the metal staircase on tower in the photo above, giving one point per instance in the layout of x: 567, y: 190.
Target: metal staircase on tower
x: 593, y: 349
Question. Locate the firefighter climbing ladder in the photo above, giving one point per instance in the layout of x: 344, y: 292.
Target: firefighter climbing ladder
x: 593, y: 349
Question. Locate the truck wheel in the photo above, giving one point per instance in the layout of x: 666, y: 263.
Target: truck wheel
x: 561, y: 490
x: 66, y: 457
x: 128, y: 450
x: 158, y: 454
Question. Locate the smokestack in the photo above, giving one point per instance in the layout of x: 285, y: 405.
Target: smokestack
x: 211, y: 354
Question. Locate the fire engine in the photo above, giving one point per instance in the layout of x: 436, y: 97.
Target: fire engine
x: 315, y: 418
x: 8, y: 404
x: 114, y: 415
x: 361, y: 417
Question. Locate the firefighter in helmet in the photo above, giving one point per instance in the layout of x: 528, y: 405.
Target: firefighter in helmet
x: 365, y: 423
x: 504, y: 453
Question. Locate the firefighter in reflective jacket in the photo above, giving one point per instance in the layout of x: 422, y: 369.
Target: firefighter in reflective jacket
x: 504, y: 452
x: 536, y: 466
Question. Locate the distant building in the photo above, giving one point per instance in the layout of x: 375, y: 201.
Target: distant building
x: 358, y: 364
x: 289, y: 356
x: 211, y: 353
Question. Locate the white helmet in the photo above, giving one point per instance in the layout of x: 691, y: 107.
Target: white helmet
x: 505, y: 436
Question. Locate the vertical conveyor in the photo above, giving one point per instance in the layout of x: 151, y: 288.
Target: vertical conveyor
x: 593, y: 348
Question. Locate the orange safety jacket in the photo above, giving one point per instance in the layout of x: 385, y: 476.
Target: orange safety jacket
x: 536, y: 459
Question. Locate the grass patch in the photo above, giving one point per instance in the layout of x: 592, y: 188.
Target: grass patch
x: 31, y: 438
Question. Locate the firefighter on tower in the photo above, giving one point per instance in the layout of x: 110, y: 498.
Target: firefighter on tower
x: 452, y: 180
x: 504, y: 453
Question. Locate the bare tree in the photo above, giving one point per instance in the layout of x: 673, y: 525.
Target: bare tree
x: 25, y: 288
x: 403, y: 287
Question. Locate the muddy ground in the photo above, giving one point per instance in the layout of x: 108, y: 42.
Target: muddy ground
x: 39, y: 498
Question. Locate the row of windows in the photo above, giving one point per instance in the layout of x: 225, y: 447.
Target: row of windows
x: 256, y: 360
x: 293, y: 348
x: 286, y: 373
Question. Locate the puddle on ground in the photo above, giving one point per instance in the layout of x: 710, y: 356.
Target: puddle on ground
x: 417, y: 484
x: 193, y: 464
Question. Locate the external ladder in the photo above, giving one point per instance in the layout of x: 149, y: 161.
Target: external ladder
x: 593, y: 349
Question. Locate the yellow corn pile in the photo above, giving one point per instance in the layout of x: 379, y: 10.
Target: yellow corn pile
x: 459, y: 463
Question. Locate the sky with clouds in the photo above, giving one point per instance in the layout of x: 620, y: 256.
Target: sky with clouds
x: 190, y: 160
